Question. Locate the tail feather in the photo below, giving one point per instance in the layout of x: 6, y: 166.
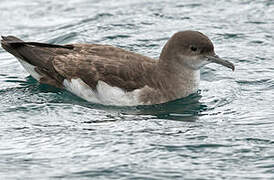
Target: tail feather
x: 37, y: 58
x: 34, y: 53
x: 15, y: 42
x: 5, y: 43
x: 10, y: 38
x: 18, y: 43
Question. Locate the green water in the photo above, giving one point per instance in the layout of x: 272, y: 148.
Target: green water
x: 225, y: 131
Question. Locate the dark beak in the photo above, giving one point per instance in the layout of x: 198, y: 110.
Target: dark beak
x: 216, y: 59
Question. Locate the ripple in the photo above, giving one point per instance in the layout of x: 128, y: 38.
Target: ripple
x: 225, y: 130
x: 63, y: 38
x: 232, y: 35
x: 191, y: 5
x: 256, y: 22
x: 97, y: 17
x: 119, y: 36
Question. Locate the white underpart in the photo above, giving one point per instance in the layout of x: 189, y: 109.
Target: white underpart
x: 104, y: 94
x: 196, y: 80
x: 30, y: 69
x: 195, y: 62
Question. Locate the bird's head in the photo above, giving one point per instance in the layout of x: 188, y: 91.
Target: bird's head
x: 191, y: 49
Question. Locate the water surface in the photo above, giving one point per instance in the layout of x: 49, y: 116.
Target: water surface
x: 225, y: 131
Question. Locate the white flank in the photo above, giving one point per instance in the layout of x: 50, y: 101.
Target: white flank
x: 30, y: 69
x: 104, y: 94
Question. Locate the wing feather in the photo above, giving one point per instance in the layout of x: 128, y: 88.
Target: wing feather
x: 120, y: 69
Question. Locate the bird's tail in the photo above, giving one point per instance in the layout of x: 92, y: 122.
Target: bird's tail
x: 7, y: 42
x: 10, y: 43
x: 32, y: 52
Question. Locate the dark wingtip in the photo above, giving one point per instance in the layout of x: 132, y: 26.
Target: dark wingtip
x: 3, y: 41
x: 10, y: 38
x: 3, y: 38
x: 15, y: 42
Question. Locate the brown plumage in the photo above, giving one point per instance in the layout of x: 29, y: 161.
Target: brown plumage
x: 90, y: 62
x: 160, y: 80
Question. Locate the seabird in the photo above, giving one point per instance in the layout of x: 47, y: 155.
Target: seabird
x: 110, y: 75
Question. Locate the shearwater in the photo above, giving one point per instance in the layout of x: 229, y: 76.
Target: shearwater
x: 113, y: 76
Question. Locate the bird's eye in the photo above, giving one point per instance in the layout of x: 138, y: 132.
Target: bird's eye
x: 193, y: 48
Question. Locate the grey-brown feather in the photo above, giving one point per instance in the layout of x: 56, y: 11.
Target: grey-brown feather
x: 115, y: 66
x: 89, y: 62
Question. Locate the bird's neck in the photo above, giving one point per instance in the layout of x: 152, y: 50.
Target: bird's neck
x: 181, y: 79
